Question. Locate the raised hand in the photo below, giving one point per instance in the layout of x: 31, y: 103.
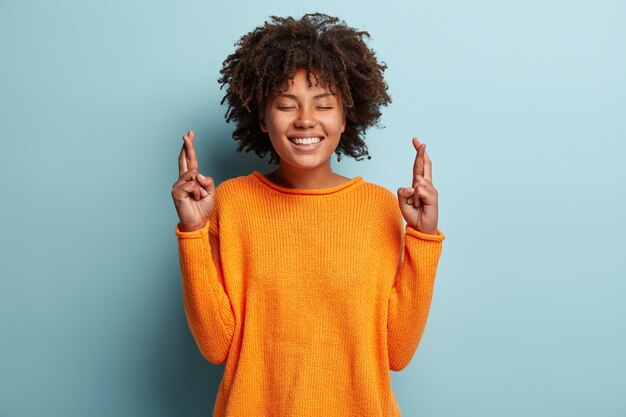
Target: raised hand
x: 193, y: 193
x: 419, y: 203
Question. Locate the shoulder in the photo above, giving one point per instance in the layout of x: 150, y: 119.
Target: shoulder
x: 379, y: 193
x: 234, y: 186
x: 236, y: 192
x: 229, y: 194
x: 380, y: 199
x: 383, y: 205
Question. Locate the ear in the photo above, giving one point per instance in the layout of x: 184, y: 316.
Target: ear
x: 343, y: 123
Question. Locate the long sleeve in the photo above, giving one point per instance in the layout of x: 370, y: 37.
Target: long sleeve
x: 207, y: 306
x: 298, y: 301
x: 411, y: 295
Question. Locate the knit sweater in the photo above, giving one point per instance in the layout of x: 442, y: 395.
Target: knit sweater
x: 309, y: 296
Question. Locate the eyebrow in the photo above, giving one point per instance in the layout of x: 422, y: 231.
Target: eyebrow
x: 295, y: 98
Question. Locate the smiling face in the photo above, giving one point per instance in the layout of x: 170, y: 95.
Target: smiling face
x: 304, y: 123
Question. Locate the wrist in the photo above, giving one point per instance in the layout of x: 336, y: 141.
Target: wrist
x: 189, y: 227
x: 425, y: 231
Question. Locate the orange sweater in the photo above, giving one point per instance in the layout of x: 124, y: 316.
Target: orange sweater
x: 311, y: 297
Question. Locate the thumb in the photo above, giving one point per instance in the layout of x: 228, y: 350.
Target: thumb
x: 404, y: 194
x: 207, y: 184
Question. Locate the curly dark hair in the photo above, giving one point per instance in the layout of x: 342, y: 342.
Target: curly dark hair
x: 269, y: 56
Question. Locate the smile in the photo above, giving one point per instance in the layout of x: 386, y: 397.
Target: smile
x: 306, y: 141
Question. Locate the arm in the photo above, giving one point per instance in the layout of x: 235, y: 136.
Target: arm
x: 411, y: 295
x: 207, y: 305
x: 412, y: 292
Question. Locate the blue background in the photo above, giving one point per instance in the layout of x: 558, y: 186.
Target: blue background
x: 522, y: 106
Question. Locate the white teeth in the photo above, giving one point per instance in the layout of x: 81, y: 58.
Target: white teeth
x: 306, y: 141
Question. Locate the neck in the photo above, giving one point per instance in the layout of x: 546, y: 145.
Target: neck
x: 314, y: 178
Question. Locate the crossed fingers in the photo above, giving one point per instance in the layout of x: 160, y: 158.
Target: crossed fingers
x: 187, y: 159
x: 422, y: 167
x: 422, y: 171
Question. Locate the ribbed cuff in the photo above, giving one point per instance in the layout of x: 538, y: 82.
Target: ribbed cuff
x: 439, y: 237
x: 194, y: 234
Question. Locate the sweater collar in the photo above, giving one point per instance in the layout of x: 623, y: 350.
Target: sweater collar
x: 307, y: 191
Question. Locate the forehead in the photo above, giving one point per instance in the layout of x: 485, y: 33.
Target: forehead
x: 315, y: 86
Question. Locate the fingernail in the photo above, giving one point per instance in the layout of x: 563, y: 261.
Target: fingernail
x: 201, y: 176
x: 203, y: 192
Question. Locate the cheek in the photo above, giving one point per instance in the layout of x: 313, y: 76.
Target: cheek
x: 334, y: 124
x: 277, y: 122
x: 276, y: 128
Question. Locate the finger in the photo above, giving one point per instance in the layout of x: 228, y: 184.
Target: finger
x: 421, y: 184
x: 419, y: 180
x: 193, y: 189
x: 182, y: 161
x: 418, y: 164
x: 428, y: 166
x: 416, y: 143
x: 192, y: 160
x: 207, y: 183
x: 427, y: 195
x: 182, y: 157
x: 183, y: 191
x: 414, y: 199
x: 190, y: 175
x: 404, y: 194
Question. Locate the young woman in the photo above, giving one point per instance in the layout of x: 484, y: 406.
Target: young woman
x: 305, y: 283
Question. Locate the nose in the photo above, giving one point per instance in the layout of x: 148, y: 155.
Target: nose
x: 305, y: 118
